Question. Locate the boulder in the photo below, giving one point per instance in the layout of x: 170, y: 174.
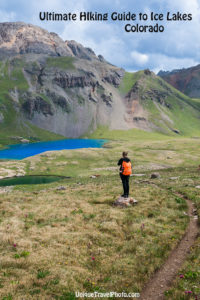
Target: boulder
x: 194, y: 212
x: 155, y: 175
x: 1, y: 117
x: 95, y: 176
x: 176, y: 131
x: 24, y: 141
x: 125, y: 202
x: 61, y: 188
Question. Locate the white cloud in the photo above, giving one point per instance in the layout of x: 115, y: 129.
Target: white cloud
x: 186, y: 6
x: 7, y: 16
x: 140, y: 59
x: 166, y: 63
x: 58, y: 5
x: 101, y: 37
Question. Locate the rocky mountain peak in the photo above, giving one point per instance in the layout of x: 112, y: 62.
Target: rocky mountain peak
x: 79, y: 51
x: 185, y: 80
x: 21, y: 38
x: 147, y: 72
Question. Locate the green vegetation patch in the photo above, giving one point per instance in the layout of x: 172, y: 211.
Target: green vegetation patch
x: 129, y: 80
x: 65, y: 62
x: 12, y: 76
x: 135, y: 134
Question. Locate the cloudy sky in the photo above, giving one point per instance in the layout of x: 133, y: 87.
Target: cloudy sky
x: 177, y: 47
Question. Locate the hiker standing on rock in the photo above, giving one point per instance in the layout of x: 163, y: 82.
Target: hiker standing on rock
x: 125, y: 172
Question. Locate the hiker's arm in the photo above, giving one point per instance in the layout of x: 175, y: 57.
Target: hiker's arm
x: 119, y: 162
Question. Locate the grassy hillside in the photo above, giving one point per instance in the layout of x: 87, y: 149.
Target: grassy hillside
x: 61, y: 62
x: 120, y: 135
x: 128, y: 81
x: 13, y: 124
x: 167, y: 108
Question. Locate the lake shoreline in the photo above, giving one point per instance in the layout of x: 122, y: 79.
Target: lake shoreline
x: 24, y: 150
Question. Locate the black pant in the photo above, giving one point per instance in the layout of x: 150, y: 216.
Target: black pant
x: 125, y: 182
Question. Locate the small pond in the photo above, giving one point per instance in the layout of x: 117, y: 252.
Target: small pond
x: 33, y: 179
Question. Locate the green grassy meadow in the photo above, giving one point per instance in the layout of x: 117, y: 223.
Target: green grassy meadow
x: 55, y: 242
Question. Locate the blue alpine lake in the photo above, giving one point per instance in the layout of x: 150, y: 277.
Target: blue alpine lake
x: 21, y: 151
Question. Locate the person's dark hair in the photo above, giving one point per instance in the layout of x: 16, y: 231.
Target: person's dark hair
x: 124, y: 154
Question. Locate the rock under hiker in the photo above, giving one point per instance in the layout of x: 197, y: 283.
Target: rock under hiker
x: 125, y: 172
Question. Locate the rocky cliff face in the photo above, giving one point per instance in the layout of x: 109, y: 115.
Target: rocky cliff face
x: 58, y: 86
x: 185, y: 80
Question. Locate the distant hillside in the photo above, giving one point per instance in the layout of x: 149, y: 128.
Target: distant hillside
x: 52, y: 89
x: 154, y: 104
x: 185, y: 80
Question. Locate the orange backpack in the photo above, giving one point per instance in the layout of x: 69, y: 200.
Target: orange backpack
x: 126, y: 168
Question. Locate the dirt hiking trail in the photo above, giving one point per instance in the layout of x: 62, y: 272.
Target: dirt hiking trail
x: 162, y: 279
